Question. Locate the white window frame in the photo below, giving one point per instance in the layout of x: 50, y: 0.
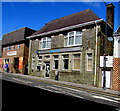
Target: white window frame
x: 63, y: 62
x: 39, y: 62
x: 8, y: 47
x: 13, y: 47
x: 45, y: 39
x: 18, y: 46
x: 87, y: 61
x: 33, y: 63
x: 57, y: 58
x: 4, y: 48
x: 74, y: 35
x: 6, y: 59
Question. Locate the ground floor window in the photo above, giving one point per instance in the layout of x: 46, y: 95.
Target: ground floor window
x: 6, y: 60
x: 89, y: 62
x: 33, y: 62
x: 76, y: 64
x: 65, y: 61
x: 39, y: 63
x: 56, y: 62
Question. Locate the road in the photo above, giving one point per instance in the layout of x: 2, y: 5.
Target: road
x: 31, y: 93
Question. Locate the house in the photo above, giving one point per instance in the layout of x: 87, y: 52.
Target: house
x: 116, y: 60
x: 72, y: 45
x: 16, y: 49
x: 1, y: 66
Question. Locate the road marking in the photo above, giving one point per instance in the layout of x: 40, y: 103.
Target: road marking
x: 100, y: 97
x: 75, y: 95
x: 26, y: 82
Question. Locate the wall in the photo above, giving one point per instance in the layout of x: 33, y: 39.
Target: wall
x: 83, y: 76
x: 19, y: 53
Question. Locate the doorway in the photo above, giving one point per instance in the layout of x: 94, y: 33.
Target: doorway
x: 108, y: 79
x: 16, y: 64
x: 47, y: 69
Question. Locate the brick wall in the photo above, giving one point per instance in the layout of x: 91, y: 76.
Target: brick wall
x: 116, y: 74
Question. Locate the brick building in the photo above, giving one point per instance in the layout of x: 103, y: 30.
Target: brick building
x: 16, y: 49
x: 116, y: 60
x: 73, y: 44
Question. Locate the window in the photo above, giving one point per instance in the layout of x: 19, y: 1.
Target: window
x: 39, y: 63
x: 56, y: 62
x: 18, y: 46
x: 4, y: 48
x: 76, y: 61
x: 8, y: 47
x: 6, y: 60
x: 46, y: 42
x: 65, y: 61
x: 73, y: 38
x: 13, y: 47
x: 33, y: 62
x: 89, y: 62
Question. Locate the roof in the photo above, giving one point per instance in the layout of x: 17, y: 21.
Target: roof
x: 70, y: 20
x: 17, y: 35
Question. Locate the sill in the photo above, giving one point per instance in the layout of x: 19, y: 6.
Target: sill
x: 73, y: 45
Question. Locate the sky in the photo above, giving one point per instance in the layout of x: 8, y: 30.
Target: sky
x: 35, y: 15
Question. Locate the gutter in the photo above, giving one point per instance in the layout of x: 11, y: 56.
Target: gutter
x: 66, y: 28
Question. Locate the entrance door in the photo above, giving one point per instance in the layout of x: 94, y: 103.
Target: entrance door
x: 107, y: 79
x: 16, y: 64
x: 47, y: 69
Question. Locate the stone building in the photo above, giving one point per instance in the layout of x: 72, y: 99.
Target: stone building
x: 72, y: 45
x: 16, y: 49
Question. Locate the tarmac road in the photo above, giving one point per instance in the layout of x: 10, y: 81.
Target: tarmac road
x: 30, y: 93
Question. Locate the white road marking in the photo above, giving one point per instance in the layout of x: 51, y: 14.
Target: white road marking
x: 100, y: 97
x: 75, y: 95
x: 26, y: 82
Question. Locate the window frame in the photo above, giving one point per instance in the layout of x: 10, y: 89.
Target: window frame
x: 46, y: 40
x: 68, y: 36
x: 74, y: 62
x: 89, y: 58
x: 55, y: 59
x: 65, y: 58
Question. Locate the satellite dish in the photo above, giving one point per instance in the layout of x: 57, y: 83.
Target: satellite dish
x: 110, y: 38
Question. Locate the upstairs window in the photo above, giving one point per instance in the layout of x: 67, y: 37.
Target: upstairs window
x: 46, y: 43
x: 73, y: 38
x: 18, y: 46
x: 4, y: 48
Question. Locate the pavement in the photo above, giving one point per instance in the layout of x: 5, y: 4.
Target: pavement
x: 73, y: 85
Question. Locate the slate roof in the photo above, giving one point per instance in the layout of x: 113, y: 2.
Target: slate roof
x: 17, y: 35
x: 70, y: 20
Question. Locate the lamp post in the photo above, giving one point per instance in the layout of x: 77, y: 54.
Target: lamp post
x: 104, y: 56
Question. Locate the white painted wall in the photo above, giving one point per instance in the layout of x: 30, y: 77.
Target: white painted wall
x: 117, y: 47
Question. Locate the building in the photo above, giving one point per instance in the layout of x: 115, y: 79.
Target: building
x: 116, y: 60
x: 73, y: 45
x: 1, y: 66
x: 16, y: 49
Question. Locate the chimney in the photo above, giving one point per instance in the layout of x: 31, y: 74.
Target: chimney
x: 110, y: 14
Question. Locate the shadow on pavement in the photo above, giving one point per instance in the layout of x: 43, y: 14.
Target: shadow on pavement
x: 25, y: 98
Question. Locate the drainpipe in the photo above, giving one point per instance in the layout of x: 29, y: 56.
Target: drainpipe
x: 29, y: 57
x: 96, y: 47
